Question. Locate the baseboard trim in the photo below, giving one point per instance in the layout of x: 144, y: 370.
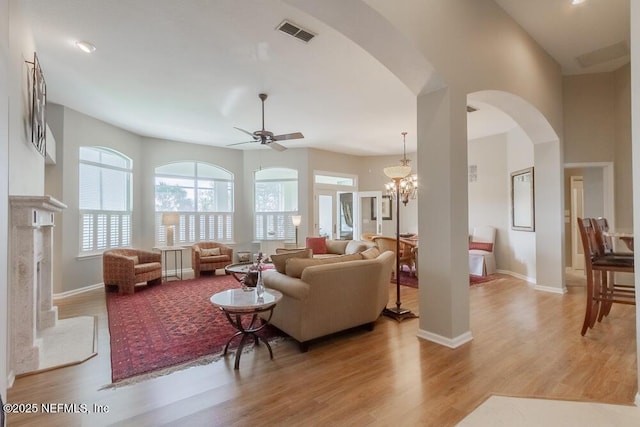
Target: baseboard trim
x: 518, y: 276
x: 447, y: 342
x: 10, y: 378
x: 551, y: 289
x: 78, y: 291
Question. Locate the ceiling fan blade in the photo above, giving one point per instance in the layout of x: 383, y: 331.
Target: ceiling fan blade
x: 240, y: 143
x: 286, y: 136
x: 247, y: 132
x: 276, y: 146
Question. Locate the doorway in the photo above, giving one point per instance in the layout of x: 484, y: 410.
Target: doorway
x: 577, y: 211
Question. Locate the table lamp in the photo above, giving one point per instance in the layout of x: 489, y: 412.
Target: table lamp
x: 170, y: 220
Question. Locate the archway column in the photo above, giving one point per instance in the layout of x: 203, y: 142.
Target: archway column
x: 443, y: 219
x: 549, y: 193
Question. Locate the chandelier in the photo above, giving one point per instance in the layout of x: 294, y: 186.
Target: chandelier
x: 401, y: 176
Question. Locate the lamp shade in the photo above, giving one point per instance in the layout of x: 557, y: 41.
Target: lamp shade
x: 296, y: 219
x: 397, y: 172
x: 170, y: 218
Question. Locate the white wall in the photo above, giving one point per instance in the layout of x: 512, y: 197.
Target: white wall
x: 635, y: 132
x: 81, y: 130
x: 593, y: 182
x: 597, y: 128
x: 522, y: 244
x: 489, y: 195
x: 26, y: 165
x: 496, y: 157
x: 4, y: 190
x: 372, y: 178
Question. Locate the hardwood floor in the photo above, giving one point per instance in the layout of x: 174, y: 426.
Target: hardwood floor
x: 526, y: 343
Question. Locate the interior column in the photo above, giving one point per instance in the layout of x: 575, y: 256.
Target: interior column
x: 443, y: 218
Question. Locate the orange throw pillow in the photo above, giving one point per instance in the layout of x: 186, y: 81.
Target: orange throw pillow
x: 317, y: 244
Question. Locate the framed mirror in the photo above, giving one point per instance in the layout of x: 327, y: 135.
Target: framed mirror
x: 522, y: 203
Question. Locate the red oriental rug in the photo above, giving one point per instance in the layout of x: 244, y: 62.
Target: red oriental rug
x: 161, y: 329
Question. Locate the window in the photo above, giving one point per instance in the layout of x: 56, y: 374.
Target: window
x: 202, y: 194
x: 104, y: 199
x: 276, y: 200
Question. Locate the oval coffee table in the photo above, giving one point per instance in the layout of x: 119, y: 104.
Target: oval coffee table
x: 235, y: 303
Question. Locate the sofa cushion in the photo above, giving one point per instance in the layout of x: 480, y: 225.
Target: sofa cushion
x: 317, y: 244
x: 295, y: 266
x: 136, y: 259
x: 336, y: 246
x: 356, y: 246
x: 280, y: 260
x: 481, y: 246
x: 370, y: 253
x: 210, y: 252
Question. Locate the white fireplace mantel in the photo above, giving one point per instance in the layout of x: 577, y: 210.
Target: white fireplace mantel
x: 31, y: 307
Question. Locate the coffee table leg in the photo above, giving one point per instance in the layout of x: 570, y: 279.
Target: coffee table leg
x: 246, y: 333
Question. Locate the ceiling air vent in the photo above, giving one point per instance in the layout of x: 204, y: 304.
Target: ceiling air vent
x: 296, y: 31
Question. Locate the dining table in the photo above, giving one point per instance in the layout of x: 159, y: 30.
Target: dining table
x: 627, y: 238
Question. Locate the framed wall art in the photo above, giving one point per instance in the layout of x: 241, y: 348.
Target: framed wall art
x: 387, y: 209
x: 38, y: 102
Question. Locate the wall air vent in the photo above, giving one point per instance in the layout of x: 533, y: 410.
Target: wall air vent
x: 296, y: 31
x: 471, y: 109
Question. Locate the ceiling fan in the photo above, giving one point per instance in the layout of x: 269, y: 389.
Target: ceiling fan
x: 266, y: 137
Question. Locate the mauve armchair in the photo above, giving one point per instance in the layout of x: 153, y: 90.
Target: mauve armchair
x: 125, y: 268
x: 205, y: 257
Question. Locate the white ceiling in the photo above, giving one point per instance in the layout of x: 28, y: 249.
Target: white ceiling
x: 191, y: 70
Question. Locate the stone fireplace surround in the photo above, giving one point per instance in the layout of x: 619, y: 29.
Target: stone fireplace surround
x: 33, y: 319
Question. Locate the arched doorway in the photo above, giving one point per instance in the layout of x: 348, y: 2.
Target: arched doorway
x: 528, y: 255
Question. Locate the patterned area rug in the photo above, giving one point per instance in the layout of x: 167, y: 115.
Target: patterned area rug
x: 410, y: 280
x: 161, y: 329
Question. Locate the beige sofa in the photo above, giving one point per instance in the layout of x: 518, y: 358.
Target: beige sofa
x: 344, y: 247
x: 330, y: 297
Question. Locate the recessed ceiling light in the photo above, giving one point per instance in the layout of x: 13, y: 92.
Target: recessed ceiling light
x: 85, y: 47
x: 574, y: 2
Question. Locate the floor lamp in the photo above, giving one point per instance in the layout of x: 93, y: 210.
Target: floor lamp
x: 296, y: 219
x: 398, y: 174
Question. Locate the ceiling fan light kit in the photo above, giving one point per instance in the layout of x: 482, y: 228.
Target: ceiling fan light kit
x: 265, y: 137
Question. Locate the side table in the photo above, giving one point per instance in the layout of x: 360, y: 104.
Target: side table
x: 177, y: 261
x: 235, y: 303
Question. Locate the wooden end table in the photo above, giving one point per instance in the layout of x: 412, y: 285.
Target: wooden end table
x: 235, y: 303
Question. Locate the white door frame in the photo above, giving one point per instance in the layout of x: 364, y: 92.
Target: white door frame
x: 608, y: 194
x: 577, y: 255
x: 358, y: 224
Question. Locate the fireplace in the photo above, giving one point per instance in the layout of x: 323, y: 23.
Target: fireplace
x: 31, y: 309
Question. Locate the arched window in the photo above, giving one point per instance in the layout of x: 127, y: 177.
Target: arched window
x: 201, y: 194
x: 276, y: 200
x: 104, y: 199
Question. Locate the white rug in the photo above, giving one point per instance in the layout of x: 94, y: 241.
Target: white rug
x: 513, y: 411
x: 69, y: 342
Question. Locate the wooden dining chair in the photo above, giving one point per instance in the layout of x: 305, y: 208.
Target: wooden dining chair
x: 604, y: 240
x: 605, y: 247
x: 602, y: 293
x: 385, y: 243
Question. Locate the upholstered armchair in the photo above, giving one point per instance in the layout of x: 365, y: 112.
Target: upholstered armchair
x: 125, y: 268
x: 210, y: 256
x: 482, y: 261
x: 406, y: 253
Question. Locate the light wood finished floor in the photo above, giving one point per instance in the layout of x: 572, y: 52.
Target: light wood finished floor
x: 526, y: 343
